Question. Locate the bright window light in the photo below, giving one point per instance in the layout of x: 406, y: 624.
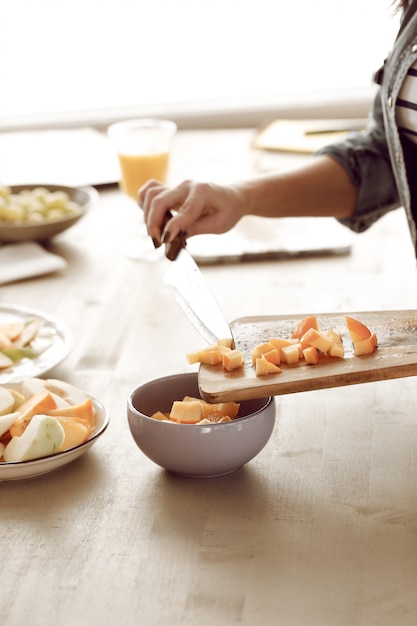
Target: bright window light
x: 71, y: 55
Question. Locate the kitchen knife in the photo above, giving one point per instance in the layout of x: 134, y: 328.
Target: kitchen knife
x: 191, y: 292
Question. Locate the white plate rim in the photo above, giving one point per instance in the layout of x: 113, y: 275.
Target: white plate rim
x: 29, y: 469
x: 55, y: 354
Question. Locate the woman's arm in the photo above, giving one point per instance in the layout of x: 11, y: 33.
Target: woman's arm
x: 320, y: 188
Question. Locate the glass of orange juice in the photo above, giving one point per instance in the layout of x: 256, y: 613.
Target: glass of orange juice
x: 143, y: 148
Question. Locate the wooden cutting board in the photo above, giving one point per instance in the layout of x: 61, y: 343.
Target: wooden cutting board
x: 395, y: 357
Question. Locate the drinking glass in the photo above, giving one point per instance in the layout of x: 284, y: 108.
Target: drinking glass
x: 143, y: 148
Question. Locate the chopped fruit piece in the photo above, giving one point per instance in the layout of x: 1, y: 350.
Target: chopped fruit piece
x: 189, y: 412
x: 232, y: 360
x: 85, y: 411
x: 75, y: 432
x: 6, y: 421
x: 304, y: 325
x: 210, y: 357
x: 7, y: 401
x: 5, y: 341
x: 311, y: 355
x: 264, y: 368
x: 280, y: 343
x: 5, y: 361
x: 264, y: 347
x: 336, y: 349
x: 290, y: 354
x: 193, y: 357
x: 12, y: 329
x: 220, y: 409
x: 28, y: 333
x: 43, y: 436
x: 273, y: 356
x: 227, y: 342
x: 365, y: 346
x: 160, y: 416
x: 317, y: 339
x: 37, y: 404
x: 357, y: 330
x: 255, y: 354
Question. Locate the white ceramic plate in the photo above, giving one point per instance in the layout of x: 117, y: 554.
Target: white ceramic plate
x: 53, y: 333
x: 13, y: 231
x: 30, y: 469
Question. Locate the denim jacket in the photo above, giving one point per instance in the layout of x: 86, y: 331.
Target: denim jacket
x: 375, y: 159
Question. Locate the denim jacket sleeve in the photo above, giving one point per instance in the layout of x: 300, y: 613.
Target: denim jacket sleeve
x: 365, y: 157
x: 374, y: 159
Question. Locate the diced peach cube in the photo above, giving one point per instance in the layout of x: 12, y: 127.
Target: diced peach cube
x: 273, y: 356
x: 210, y: 357
x: 232, y: 360
x: 265, y: 368
x: 304, y: 325
x: 279, y: 343
x: 317, y: 339
x: 290, y: 354
x: 311, y: 355
x: 365, y: 346
x: 357, y: 330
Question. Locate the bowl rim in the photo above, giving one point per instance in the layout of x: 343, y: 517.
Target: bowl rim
x: 233, y: 422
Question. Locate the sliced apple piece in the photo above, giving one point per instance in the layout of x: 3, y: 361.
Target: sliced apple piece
x: 28, y: 334
x: 68, y: 392
x: 19, y: 398
x: 43, y: 436
x: 5, y: 341
x: 12, y: 329
x: 265, y: 368
x: 6, y: 422
x: 5, y: 361
x: 357, y: 330
x: 7, y: 401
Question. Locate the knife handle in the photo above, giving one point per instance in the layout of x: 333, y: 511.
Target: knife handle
x: 173, y: 248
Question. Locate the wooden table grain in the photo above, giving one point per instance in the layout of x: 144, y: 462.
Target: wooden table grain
x: 318, y: 530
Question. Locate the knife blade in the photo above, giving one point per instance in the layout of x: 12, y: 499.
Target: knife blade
x: 187, y: 285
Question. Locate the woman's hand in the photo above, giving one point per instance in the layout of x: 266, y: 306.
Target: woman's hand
x: 197, y: 208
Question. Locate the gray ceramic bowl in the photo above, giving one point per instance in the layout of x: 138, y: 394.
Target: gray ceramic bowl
x: 11, y: 232
x: 194, y: 450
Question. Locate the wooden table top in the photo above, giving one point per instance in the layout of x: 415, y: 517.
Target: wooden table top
x: 318, y: 530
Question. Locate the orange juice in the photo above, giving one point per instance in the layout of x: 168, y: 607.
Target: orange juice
x: 138, y: 169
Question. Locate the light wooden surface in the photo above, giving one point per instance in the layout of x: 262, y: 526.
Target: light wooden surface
x: 318, y: 530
